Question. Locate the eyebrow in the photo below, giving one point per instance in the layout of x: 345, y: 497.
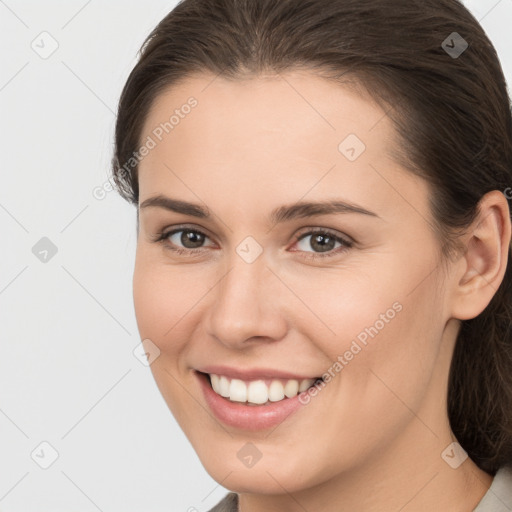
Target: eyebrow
x: 281, y: 214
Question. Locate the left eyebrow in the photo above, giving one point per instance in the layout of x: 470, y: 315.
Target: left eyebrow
x: 281, y: 214
x: 310, y: 209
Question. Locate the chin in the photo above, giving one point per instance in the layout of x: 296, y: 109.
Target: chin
x: 267, y: 476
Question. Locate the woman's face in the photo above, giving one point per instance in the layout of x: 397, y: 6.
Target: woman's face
x: 266, y: 291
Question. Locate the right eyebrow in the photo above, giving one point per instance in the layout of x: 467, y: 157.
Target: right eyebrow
x: 175, y: 205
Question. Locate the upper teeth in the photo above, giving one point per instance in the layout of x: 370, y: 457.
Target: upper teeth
x: 257, y: 391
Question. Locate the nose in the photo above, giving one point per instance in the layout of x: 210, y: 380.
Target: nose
x: 247, y: 305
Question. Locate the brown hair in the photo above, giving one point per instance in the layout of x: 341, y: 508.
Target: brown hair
x: 452, y: 113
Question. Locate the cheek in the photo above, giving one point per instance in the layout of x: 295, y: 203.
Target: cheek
x: 388, y: 329
x: 386, y: 371
x: 159, y: 299
x: 396, y: 359
x: 149, y: 299
x: 347, y: 310
x: 162, y: 300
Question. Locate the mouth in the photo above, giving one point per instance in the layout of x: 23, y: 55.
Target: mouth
x: 261, y: 403
x: 258, y: 392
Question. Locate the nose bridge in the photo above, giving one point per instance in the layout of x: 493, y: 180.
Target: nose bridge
x: 244, y: 306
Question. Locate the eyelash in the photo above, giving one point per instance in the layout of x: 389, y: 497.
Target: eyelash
x: 162, y: 237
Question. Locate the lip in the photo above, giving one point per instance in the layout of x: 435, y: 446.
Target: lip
x: 253, y: 373
x: 247, y: 417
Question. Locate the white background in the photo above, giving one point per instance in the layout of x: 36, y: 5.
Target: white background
x: 67, y: 327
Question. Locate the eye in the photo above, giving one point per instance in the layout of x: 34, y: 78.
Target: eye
x: 324, y: 241
x: 191, y: 240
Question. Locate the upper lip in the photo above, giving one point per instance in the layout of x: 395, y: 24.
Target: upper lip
x: 251, y: 373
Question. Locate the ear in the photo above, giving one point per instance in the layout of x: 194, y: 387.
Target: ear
x: 480, y: 271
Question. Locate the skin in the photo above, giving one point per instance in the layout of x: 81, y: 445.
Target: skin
x: 372, y: 439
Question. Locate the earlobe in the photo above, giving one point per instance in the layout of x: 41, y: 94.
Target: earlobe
x: 486, y: 257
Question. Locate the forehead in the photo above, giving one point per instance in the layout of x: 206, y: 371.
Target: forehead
x: 273, y: 136
x: 292, y: 105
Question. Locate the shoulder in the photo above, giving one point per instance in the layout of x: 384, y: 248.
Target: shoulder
x: 228, y: 504
x: 499, y: 496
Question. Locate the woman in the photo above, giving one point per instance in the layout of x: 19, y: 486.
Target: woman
x: 322, y: 271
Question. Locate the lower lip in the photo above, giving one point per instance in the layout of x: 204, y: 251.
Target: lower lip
x: 247, y: 417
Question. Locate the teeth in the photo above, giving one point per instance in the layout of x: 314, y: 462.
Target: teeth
x: 215, y: 383
x: 238, y: 391
x: 276, y: 391
x: 305, y: 384
x: 291, y: 388
x: 257, y: 392
x: 224, y: 387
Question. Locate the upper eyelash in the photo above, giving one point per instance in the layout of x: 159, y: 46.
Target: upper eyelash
x: 163, y: 236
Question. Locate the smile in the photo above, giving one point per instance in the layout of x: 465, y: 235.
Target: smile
x: 253, y: 402
x: 258, y: 392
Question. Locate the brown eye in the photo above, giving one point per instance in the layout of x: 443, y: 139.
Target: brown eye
x: 183, y: 239
x: 323, y: 244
